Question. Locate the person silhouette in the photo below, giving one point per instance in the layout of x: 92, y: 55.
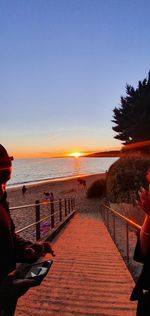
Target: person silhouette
x: 13, y: 248
x: 24, y: 189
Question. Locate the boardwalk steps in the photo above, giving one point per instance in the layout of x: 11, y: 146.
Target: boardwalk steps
x: 88, y: 277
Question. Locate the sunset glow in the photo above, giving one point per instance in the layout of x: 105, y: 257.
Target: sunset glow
x: 76, y: 154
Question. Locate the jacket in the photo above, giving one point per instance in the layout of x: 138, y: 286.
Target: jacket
x: 12, y: 246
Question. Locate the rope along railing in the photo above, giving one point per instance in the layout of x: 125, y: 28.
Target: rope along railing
x: 106, y: 211
x: 65, y: 209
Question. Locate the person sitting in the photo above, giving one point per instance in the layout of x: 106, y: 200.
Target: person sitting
x: 13, y: 248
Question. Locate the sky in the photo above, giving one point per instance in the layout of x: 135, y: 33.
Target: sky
x: 63, y: 66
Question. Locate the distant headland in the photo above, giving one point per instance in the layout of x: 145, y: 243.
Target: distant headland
x: 111, y: 153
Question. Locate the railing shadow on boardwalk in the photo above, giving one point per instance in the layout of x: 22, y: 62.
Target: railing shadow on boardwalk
x: 45, y: 218
x: 123, y: 232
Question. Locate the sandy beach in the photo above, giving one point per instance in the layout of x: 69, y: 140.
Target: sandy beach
x: 61, y: 188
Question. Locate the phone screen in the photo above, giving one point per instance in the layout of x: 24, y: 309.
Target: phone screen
x: 38, y: 269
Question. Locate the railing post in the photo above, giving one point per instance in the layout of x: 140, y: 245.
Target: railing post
x: 69, y: 205
x: 52, y: 216
x: 65, y: 207
x: 73, y: 203
x: 37, y: 216
x: 60, y: 210
x: 103, y: 212
x: 128, y: 223
x: 107, y: 219
x: 114, y: 227
x: 127, y: 241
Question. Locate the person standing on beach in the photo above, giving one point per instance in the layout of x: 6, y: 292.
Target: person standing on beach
x: 13, y: 248
x: 141, y: 291
x: 24, y: 189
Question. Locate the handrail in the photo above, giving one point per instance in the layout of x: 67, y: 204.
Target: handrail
x: 31, y: 205
x: 112, y: 231
x: 35, y: 223
x: 129, y: 221
x: 69, y: 204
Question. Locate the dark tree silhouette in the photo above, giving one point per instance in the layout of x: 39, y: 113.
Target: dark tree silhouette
x: 132, y: 118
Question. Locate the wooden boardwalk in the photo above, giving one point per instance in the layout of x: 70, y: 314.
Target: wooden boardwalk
x: 88, y: 276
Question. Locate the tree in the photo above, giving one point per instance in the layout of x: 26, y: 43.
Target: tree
x: 132, y: 118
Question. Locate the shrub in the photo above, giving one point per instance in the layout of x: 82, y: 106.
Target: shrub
x: 97, y: 189
x: 125, y: 177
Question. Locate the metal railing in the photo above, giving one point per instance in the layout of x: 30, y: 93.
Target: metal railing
x: 58, y: 211
x: 106, y: 212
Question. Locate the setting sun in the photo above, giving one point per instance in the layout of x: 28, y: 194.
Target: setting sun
x: 75, y: 154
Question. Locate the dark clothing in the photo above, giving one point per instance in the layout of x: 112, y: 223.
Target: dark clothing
x: 12, y: 246
x: 144, y: 278
x: 9, y: 310
x: 143, y: 307
x: 141, y: 291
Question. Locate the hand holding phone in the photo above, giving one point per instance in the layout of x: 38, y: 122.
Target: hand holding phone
x: 38, y: 270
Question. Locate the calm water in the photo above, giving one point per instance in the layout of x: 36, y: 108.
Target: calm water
x: 34, y: 170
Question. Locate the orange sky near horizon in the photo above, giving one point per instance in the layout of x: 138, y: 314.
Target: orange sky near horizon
x: 60, y: 143
x: 37, y: 154
x: 73, y: 152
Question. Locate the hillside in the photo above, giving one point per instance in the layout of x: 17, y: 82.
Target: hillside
x: 111, y: 153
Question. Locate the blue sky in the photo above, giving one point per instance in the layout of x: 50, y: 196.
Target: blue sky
x: 63, y: 66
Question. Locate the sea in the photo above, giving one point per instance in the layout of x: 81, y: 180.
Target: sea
x: 30, y: 171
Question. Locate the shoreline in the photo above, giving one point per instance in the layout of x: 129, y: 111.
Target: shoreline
x: 50, y: 180
x: 24, y: 174
x: 61, y: 187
